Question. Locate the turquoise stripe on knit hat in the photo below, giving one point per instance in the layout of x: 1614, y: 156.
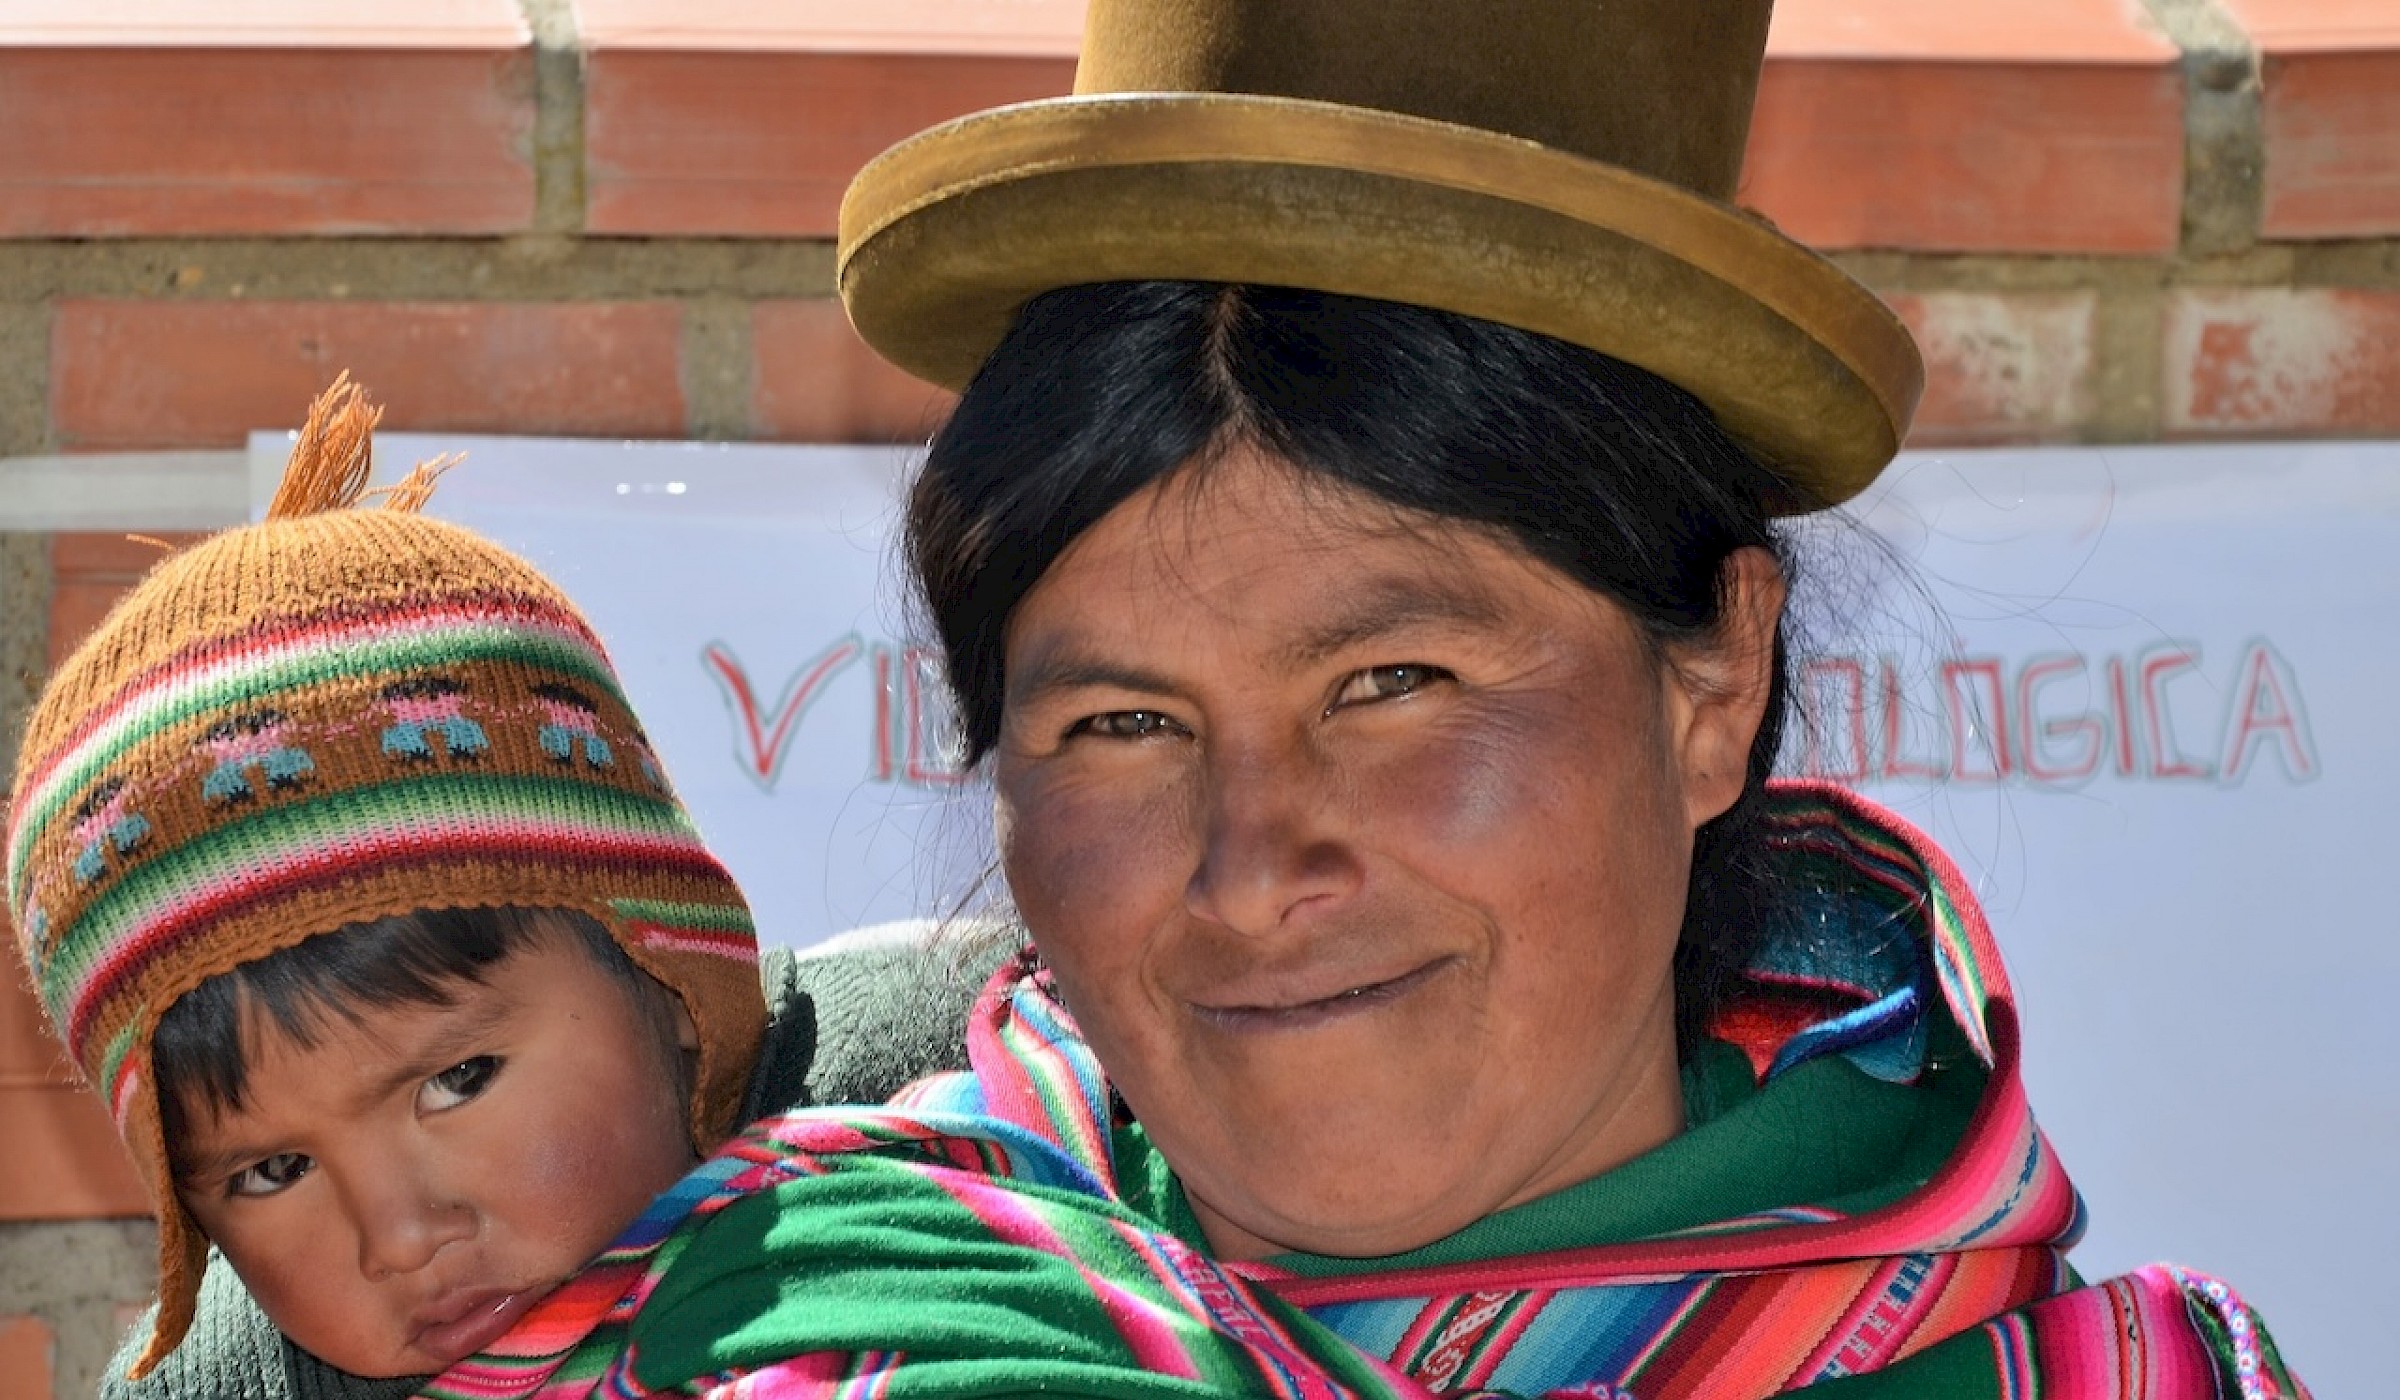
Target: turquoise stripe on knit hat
x: 166, y: 703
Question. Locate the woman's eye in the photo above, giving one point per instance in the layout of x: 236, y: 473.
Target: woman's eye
x: 459, y: 1083
x: 1387, y: 683
x: 1126, y: 724
x: 269, y: 1175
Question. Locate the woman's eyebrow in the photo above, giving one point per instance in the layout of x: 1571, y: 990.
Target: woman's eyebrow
x: 1377, y: 608
x: 1385, y: 606
x: 1047, y: 675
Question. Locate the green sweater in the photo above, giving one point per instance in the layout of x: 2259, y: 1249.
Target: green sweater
x: 846, y: 1026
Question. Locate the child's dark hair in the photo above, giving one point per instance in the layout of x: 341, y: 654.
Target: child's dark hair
x: 201, y: 1051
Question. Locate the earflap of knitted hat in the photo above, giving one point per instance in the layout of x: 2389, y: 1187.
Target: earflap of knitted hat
x: 335, y: 716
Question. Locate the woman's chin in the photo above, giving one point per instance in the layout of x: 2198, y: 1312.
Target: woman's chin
x: 1352, y: 1215
x: 1360, y: 1165
x: 1336, y: 1186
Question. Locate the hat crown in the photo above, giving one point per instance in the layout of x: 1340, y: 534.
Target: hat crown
x: 1581, y: 76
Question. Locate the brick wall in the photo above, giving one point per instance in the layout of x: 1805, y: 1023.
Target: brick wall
x: 2107, y: 221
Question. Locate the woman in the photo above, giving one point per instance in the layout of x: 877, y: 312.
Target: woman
x: 1357, y: 556
x: 1380, y: 705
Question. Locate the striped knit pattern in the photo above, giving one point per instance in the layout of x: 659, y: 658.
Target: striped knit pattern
x: 327, y: 720
x: 1019, y: 1153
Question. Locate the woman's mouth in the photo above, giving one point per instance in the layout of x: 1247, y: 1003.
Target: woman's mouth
x: 463, y: 1324
x: 1309, y: 1013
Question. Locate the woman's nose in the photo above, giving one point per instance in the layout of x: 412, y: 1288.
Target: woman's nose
x: 1273, y: 843
x: 404, y: 1219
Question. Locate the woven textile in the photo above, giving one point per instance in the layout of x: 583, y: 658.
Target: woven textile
x: 329, y: 719
x: 974, y: 1238
x: 946, y: 1253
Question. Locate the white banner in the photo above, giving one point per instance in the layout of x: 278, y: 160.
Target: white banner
x: 2141, y: 694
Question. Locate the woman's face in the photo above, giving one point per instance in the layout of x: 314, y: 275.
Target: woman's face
x: 1358, y: 843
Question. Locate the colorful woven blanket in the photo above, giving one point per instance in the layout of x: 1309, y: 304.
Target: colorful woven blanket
x: 977, y: 1237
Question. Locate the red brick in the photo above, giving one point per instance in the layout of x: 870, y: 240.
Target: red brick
x: 91, y: 571
x: 132, y: 374
x: 136, y: 117
x: 2037, y: 126
x: 816, y: 381
x: 64, y: 1160
x: 2275, y: 361
x: 2330, y: 70
x: 991, y: 28
x: 28, y: 1054
x: 710, y: 116
x: 2040, y: 126
x: 75, y: 609
x: 26, y: 1351
x: 106, y: 556
x: 2001, y: 367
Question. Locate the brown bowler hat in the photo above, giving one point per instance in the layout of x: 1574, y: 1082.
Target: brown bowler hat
x: 1563, y: 166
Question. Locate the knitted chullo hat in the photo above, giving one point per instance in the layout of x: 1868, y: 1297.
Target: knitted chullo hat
x: 335, y: 716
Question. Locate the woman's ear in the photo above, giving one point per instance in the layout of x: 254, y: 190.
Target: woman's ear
x: 1726, y: 678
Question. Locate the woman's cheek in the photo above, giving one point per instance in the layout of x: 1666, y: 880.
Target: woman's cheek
x: 1100, y: 839
x: 1483, y: 775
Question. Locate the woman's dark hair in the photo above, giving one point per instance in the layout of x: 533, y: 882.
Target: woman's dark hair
x: 201, y: 1050
x: 1608, y: 473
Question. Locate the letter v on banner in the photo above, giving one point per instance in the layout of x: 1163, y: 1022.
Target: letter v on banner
x: 761, y: 739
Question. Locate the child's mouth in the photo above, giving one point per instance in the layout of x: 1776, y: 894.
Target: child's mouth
x: 462, y: 1324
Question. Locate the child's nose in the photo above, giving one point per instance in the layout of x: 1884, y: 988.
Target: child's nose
x: 403, y: 1223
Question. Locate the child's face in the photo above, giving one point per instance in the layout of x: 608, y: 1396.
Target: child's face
x: 398, y: 1196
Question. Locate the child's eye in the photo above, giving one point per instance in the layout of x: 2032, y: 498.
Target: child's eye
x: 1126, y: 724
x: 1387, y: 683
x: 458, y: 1084
x: 269, y: 1175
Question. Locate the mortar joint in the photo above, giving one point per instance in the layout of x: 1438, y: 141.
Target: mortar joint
x: 2224, y: 126
x: 558, y: 100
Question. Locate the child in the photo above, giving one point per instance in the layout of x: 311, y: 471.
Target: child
x: 349, y: 880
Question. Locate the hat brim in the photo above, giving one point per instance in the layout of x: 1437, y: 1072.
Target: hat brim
x: 945, y: 236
